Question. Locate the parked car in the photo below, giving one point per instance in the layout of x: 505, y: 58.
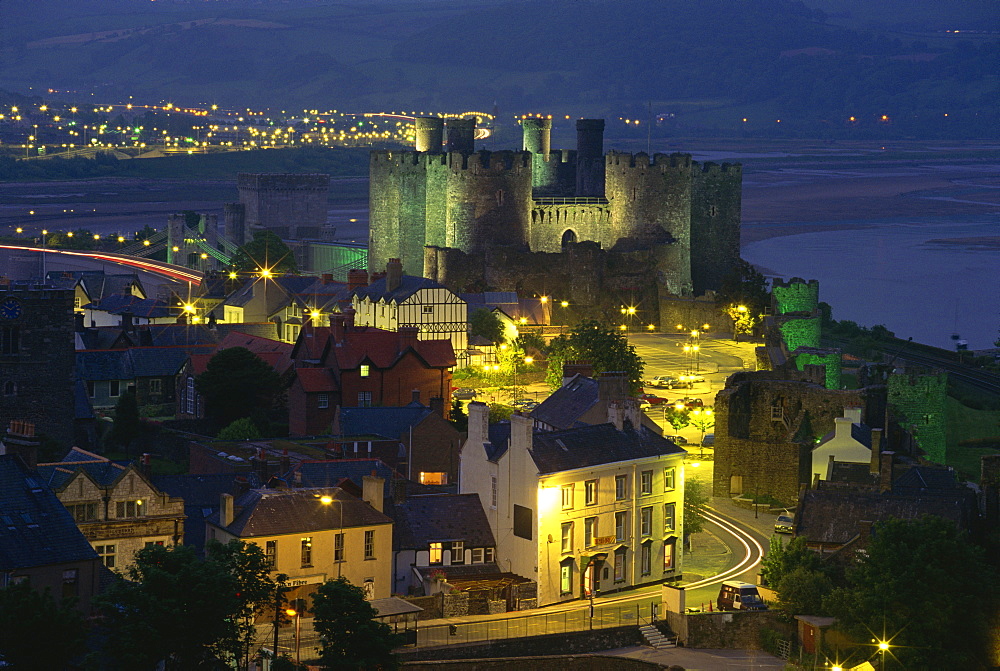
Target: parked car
x: 524, y: 403
x: 652, y: 399
x: 690, y: 380
x: 663, y: 382
x: 736, y: 595
x: 785, y: 524
x: 464, y: 393
x: 679, y: 440
x: 708, y: 440
x: 691, y: 402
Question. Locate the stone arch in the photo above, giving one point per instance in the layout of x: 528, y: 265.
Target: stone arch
x: 568, y: 237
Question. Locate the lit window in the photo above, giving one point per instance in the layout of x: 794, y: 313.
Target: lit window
x: 668, y: 554
x: 489, y: 555
x: 271, y: 554
x: 434, y: 478
x: 366, y: 370
x: 323, y: 401
x: 436, y: 553
x: 669, y: 479
x: 567, y: 497
x: 427, y: 309
x: 590, y: 492
x: 338, y: 547
x: 567, y: 537
x: 590, y: 531
x: 621, y: 487
x: 457, y: 552
x: 646, y: 482
x: 621, y: 525
x: 370, y: 544
x: 83, y: 512
x: 566, y: 577
x: 669, y: 516
x: 307, y: 551
x: 646, y: 521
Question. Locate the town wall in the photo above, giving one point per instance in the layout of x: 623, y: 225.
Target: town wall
x: 918, y: 400
x: 795, y: 295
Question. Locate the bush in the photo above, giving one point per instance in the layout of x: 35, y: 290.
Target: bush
x: 241, y: 429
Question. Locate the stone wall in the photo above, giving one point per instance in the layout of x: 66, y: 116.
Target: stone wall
x: 733, y: 630
x: 680, y: 314
x: 795, y: 295
x: 918, y: 401
x: 285, y: 204
x: 716, y: 217
x: 549, y: 662
x: 571, y: 643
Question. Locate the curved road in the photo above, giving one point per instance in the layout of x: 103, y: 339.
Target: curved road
x: 166, y: 270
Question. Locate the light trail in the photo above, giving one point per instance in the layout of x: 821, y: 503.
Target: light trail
x: 159, y: 267
x: 750, y: 545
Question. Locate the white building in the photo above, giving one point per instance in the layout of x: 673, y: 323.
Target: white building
x: 585, y: 510
x: 398, y: 300
x: 850, y: 441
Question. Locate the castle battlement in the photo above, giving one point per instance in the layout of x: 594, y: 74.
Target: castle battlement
x: 733, y: 169
x: 642, y: 160
x: 491, y: 161
x: 282, y: 182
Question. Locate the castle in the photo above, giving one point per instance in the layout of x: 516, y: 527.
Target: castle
x: 516, y: 218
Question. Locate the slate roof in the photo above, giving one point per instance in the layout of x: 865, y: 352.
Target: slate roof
x: 104, y: 365
x: 925, y: 478
x: 128, y: 364
x: 443, y: 517
x: 563, y: 409
x: 105, y: 337
x: 101, y: 470
x: 860, y: 433
x: 328, y: 473
x: 408, y: 285
x: 118, y: 304
x: 35, y: 528
x: 165, y: 335
x: 587, y: 446
x: 387, y: 422
x: 96, y: 283
x: 273, y: 512
x: 275, y: 352
x: 280, y: 290
x: 201, y: 495
x: 499, y: 435
x: 324, y: 296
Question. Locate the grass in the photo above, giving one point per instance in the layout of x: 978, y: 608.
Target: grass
x: 964, y: 423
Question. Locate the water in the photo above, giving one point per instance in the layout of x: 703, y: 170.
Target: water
x: 893, y: 274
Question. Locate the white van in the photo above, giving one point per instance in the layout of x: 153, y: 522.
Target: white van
x: 736, y: 595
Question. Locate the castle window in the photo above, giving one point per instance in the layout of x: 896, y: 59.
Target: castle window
x: 10, y: 388
x: 713, y: 210
x: 499, y: 197
x: 635, y: 192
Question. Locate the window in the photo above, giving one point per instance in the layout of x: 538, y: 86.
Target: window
x: 436, y: 553
x: 668, y: 554
x: 619, y: 566
x: 590, y: 531
x: 493, y: 491
x: 669, y: 516
x: 621, y: 487
x: 566, y: 577
x: 590, y: 492
x: 489, y: 555
x: 477, y: 555
x: 621, y: 525
x: 669, y: 479
x: 90, y: 388
x: 126, y: 509
x: 567, y: 537
x: 646, y: 521
x: 364, y: 399
x: 646, y: 483
x: 427, y: 309
x: 458, y: 552
x: 567, y: 497
x: 114, y: 388
x: 307, y: 551
x: 366, y: 370
x: 645, y: 559
x: 150, y: 544
x: 10, y: 388
x: 433, y: 478
x: 338, y: 547
x: 323, y: 401
x: 69, y: 583
x: 271, y: 554
x: 523, y: 518
x: 190, y: 397
x: 83, y: 512
x: 10, y: 342
x: 77, y: 302
x: 370, y: 544
x: 156, y: 386
x: 713, y: 210
x: 106, y: 554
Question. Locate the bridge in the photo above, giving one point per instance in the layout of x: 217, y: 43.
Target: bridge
x: 162, y: 268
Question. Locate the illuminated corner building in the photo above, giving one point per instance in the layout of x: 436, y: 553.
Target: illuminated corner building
x: 588, y: 510
x: 115, y: 505
x: 314, y: 534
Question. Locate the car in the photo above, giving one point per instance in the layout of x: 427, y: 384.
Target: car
x: 663, y: 382
x: 652, y: 399
x: 679, y: 440
x: 525, y: 403
x: 464, y: 393
x: 690, y: 380
x: 690, y: 402
x: 708, y: 440
x: 785, y: 524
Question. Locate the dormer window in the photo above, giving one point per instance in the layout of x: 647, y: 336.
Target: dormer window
x: 365, y: 370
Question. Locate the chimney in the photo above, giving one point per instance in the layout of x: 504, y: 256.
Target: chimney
x: 876, y: 450
x: 842, y: 427
x: 327, y: 278
x: 349, y: 315
x: 415, y: 396
x: 78, y: 325
x: 337, y: 327
x: 357, y: 279
x: 128, y: 325
x: 571, y: 368
x: 864, y: 531
x: 241, y: 485
x: 372, y: 490
x: 376, y: 276
x: 437, y: 405
x: 479, y: 424
x: 225, y: 510
x: 407, y: 337
x: 885, y: 472
x: 829, y: 468
x: 612, y: 386
x: 853, y: 413
x: 286, y: 462
x: 393, y: 274
x: 146, y: 468
x: 616, y: 415
x: 399, y: 491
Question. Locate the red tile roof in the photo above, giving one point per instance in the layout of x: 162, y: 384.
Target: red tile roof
x: 315, y: 379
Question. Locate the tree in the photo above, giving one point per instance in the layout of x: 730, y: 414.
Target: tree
x: 607, y: 350
x: 241, y: 429
x: 677, y: 418
x: 485, y: 323
x: 802, y: 591
x: 127, y: 426
x: 695, y: 498
x: 266, y: 250
x: 235, y: 383
x: 28, y: 618
x: 782, y: 560
x: 924, y: 587
x: 743, y: 297
x: 351, y: 638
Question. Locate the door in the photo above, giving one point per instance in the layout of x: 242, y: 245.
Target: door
x: 735, y: 485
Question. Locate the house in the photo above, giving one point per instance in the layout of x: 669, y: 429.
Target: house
x: 446, y: 532
x: 349, y: 366
x: 314, y: 534
x: 514, y: 314
x: 127, y: 310
x: 582, y: 401
x: 268, y: 299
x: 851, y: 441
x: 415, y: 439
x: 201, y: 495
x: 39, y: 541
x: 115, y: 505
x: 585, y: 510
x: 152, y: 371
x: 90, y: 286
x: 398, y: 301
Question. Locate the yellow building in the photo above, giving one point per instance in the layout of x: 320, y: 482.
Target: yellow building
x: 314, y: 534
x: 583, y: 511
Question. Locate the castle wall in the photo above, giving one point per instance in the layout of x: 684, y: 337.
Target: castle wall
x: 918, y: 401
x: 284, y: 203
x: 795, y: 295
x: 551, y: 218
x: 554, y: 174
x: 235, y: 218
x: 488, y: 199
x: 716, y: 216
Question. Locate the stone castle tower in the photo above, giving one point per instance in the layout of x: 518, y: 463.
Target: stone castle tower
x: 290, y: 205
x: 448, y: 196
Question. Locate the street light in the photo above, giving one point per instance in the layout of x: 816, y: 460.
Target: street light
x: 292, y: 612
